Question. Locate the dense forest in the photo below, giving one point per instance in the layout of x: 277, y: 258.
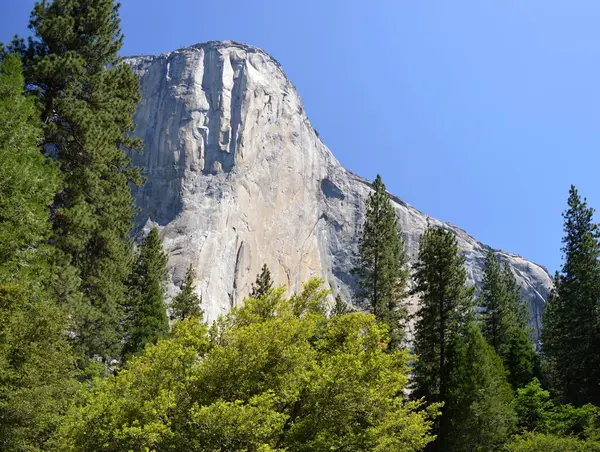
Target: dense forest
x: 95, y: 356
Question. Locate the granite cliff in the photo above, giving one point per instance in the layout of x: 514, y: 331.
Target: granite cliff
x: 238, y: 177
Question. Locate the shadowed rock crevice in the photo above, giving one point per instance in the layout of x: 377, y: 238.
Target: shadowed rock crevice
x: 212, y: 86
x: 330, y: 190
x: 159, y: 199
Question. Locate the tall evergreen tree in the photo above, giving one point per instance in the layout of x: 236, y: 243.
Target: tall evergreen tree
x: 571, y: 329
x: 187, y: 303
x: 505, y: 321
x: 87, y: 99
x: 263, y: 283
x: 148, y: 320
x: 36, y: 365
x: 552, y: 331
x: 28, y: 180
x: 340, y: 307
x: 381, y: 263
x: 446, y: 310
x: 478, y: 411
x: 521, y: 360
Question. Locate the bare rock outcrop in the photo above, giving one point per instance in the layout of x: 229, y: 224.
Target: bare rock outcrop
x: 238, y: 177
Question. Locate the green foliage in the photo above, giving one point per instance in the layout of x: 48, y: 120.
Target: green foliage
x: 498, y: 300
x: 340, y: 307
x: 28, y: 180
x: 566, y: 420
x: 539, y: 442
x: 445, y: 314
x: 263, y: 283
x: 276, y: 374
x: 187, y: 303
x: 446, y: 309
x: 129, y: 411
x: 381, y: 268
x: 520, y: 359
x: 147, y: 319
x: 552, y: 324
x: 87, y: 101
x: 537, y: 412
x: 571, y: 328
x: 36, y: 366
x: 531, y: 404
x: 505, y: 320
x: 311, y: 298
x: 477, y: 414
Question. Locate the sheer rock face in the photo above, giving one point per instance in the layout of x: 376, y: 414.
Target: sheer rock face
x: 238, y: 177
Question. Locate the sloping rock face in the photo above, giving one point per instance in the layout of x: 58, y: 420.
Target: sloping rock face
x: 238, y: 177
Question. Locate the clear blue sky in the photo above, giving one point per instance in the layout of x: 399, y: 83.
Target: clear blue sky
x: 478, y: 113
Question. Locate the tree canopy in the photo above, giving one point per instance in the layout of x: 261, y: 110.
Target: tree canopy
x: 280, y: 376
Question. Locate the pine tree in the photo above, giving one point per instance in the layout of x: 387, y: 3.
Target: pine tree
x: 446, y: 309
x: 381, y: 263
x: 520, y: 359
x: 551, y: 334
x: 187, y: 303
x: 148, y: 320
x: 505, y: 321
x: 87, y: 99
x: 340, y: 307
x: 263, y: 283
x: 498, y: 317
x: 571, y: 335
x: 36, y: 364
x: 478, y: 411
x: 28, y: 180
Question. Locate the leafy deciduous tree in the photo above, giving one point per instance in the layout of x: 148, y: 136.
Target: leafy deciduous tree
x: 538, y: 413
x: 540, y: 442
x: 282, y: 376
